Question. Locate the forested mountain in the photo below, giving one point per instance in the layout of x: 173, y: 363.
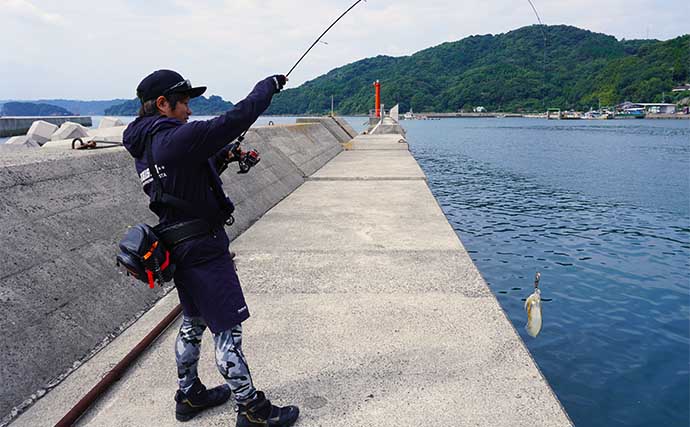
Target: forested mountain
x: 83, y: 108
x: 32, y: 109
x: 200, y: 106
x: 504, y: 72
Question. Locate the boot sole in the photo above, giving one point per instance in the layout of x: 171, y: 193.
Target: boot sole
x: 187, y: 416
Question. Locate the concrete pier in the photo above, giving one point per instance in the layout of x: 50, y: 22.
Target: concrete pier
x: 13, y: 126
x: 64, y: 212
x: 366, y: 311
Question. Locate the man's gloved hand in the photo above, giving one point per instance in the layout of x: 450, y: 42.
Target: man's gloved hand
x: 280, y: 81
x: 235, y: 153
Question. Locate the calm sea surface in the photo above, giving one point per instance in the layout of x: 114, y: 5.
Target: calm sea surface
x: 602, y: 210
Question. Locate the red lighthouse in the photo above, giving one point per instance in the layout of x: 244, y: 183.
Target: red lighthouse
x: 377, y: 85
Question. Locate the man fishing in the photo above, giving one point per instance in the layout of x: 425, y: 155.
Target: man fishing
x: 192, y: 209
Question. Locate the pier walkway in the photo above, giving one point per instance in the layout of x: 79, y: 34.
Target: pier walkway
x: 366, y: 311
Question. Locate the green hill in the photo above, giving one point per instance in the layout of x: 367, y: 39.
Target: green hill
x: 84, y: 108
x: 32, y: 109
x: 200, y: 106
x: 503, y: 72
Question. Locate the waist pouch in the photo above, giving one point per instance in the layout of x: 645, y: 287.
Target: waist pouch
x: 144, y: 256
x: 145, y: 250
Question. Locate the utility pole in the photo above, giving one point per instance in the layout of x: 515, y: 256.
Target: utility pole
x: 332, y: 115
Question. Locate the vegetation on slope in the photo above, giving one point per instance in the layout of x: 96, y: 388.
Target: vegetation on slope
x: 505, y: 72
x: 32, y: 109
x: 200, y: 106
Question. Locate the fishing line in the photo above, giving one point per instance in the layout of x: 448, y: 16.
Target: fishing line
x: 543, y: 33
x: 241, y: 137
x: 323, y: 34
x: 535, y: 11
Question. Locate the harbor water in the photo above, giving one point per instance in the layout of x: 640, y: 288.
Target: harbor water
x: 602, y: 210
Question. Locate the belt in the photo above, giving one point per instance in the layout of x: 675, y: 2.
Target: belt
x: 173, y: 235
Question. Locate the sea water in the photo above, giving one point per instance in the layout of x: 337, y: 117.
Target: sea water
x: 602, y: 210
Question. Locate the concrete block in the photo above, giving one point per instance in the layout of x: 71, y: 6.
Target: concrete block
x: 17, y: 140
x: 109, y: 132
x: 41, y: 131
x: 69, y: 130
x: 23, y: 144
x: 31, y: 144
x: 109, y: 122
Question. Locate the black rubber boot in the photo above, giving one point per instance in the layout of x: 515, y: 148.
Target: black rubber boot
x: 260, y: 413
x: 190, y: 404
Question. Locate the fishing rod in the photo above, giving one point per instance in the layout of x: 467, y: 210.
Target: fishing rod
x: 323, y: 34
x: 241, y: 137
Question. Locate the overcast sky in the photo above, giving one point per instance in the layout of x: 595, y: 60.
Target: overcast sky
x: 92, y: 49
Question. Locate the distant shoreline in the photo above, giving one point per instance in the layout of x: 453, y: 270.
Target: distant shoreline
x: 436, y: 116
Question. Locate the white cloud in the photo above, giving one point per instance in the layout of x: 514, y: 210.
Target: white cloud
x: 104, y: 48
x: 26, y: 9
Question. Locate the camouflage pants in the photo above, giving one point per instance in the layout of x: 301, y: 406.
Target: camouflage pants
x: 230, y: 360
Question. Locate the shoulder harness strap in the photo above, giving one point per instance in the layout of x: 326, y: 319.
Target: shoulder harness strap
x: 158, y: 195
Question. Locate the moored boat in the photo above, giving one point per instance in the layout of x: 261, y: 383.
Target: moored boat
x: 631, y: 113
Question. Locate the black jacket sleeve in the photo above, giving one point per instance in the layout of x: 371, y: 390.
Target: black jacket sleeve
x: 200, y: 140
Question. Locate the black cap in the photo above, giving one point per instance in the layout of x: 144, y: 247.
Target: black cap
x: 165, y: 82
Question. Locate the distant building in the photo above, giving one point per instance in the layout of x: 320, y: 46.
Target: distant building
x: 681, y: 88
x: 626, y: 106
x: 479, y: 109
x: 658, y: 108
x: 649, y: 107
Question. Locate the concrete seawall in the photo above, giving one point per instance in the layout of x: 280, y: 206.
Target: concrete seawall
x: 338, y: 127
x: 12, y: 126
x: 62, y: 214
x: 366, y: 311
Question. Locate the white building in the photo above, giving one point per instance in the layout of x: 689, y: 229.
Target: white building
x: 658, y: 108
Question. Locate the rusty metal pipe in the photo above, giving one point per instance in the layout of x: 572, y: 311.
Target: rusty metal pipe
x: 116, y: 373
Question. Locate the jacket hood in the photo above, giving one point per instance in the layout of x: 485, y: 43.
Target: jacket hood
x: 134, y: 137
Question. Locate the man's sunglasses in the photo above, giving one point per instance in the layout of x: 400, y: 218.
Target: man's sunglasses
x: 179, y: 87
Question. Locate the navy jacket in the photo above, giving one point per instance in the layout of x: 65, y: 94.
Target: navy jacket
x: 187, y: 155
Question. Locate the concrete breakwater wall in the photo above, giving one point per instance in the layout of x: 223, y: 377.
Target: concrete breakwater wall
x: 12, y: 126
x: 62, y: 214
